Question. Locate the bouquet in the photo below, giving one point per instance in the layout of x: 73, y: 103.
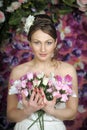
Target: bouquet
x: 53, y: 85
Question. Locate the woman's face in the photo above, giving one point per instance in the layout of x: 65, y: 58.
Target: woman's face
x: 43, y: 45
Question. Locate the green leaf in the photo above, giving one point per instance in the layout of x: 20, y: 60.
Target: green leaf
x: 14, y: 21
x: 70, y: 3
x: 65, y: 11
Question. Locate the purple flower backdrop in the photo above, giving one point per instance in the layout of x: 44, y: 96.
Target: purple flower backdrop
x: 72, y: 48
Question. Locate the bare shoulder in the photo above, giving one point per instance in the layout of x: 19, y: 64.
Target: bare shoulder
x: 67, y: 68
x: 20, y: 70
x: 16, y: 72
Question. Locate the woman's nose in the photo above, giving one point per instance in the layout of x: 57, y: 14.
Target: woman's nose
x: 43, y: 48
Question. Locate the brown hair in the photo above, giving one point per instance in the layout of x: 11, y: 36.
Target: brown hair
x: 43, y: 22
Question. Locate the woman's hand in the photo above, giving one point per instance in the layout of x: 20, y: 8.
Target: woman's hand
x: 35, y: 103
x: 49, y: 106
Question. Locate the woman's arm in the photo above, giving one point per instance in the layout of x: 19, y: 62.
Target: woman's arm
x: 15, y: 114
x: 70, y: 110
x: 34, y: 104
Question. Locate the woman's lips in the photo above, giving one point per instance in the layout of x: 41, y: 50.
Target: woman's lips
x: 43, y: 55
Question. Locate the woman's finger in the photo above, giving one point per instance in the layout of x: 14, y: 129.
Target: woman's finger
x: 32, y: 97
x: 43, y: 95
x: 54, y: 100
x: 24, y: 101
x: 41, y: 100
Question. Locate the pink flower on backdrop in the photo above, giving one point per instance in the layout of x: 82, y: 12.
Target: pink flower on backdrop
x: 14, y: 6
x: 22, y: 1
x: 54, y: 2
x: 63, y: 28
x: 84, y: 2
x: 82, y: 5
x: 2, y: 17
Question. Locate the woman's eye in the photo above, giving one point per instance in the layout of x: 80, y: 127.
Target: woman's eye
x: 49, y: 43
x: 36, y: 42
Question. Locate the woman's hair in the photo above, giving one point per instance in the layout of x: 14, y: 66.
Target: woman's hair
x: 43, y: 22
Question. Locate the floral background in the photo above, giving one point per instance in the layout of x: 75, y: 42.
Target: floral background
x: 70, y: 17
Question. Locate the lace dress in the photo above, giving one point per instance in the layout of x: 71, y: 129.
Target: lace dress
x: 50, y: 123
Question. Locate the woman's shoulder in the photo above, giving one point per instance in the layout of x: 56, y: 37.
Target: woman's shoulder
x: 67, y: 68
x: 67, y: 65
x: 20, y: 70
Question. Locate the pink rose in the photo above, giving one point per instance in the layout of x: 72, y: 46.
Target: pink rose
x: 15, y: 5
x: 30, y: 76
x: 57, y: 94
x: 23, y: 84
x: 25, y: 92
x: 84, y: 2
x: 54, y: 1
x: 68, y: 78
x: 2, y: 17
x: 29, y: 85
x: 22, y: 1
x: 49, y: 90
x: 64, y: 98
x: 11, y: 81
x: 58, y: 78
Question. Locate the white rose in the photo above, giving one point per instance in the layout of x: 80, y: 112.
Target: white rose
x: 45, y: 81
x: 29, y: 22
x: 40, y: 75
x: 36, y: 83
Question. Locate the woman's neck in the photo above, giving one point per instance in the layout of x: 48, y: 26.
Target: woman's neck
x: 42, y: 64
x: 46, y: 67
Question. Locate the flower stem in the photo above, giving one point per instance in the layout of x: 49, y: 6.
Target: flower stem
x: 40, y: 113
x: 34, y: 121
x: 41, y: 121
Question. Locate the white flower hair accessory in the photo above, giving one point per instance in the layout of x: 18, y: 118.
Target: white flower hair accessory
x: 28, y: 23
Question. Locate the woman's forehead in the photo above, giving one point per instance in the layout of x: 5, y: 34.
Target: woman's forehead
x: 40, y: 35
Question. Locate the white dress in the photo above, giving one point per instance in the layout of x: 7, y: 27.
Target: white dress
x: 50, y: 123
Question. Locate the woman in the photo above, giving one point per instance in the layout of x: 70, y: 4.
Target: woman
x: 43, y: 41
